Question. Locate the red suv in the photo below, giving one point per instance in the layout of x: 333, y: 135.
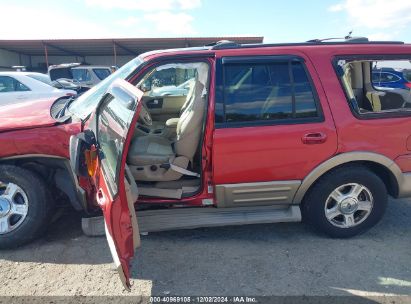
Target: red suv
x: 219, y: 135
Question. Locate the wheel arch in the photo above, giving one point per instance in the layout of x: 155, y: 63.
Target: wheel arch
x: 381, y: 165
x: 57, y: 169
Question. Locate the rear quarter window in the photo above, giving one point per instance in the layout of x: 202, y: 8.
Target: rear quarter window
x: 375, y: 87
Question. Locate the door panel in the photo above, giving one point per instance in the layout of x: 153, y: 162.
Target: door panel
x: 117, y: 192
x: 280, y: 151
x: 269, y: 153
x: 164, y: 107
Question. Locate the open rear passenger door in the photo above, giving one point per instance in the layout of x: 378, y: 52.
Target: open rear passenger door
x: 100, y: 153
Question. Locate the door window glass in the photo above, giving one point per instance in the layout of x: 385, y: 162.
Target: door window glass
x: 268, y: 91
x: 114, y: 119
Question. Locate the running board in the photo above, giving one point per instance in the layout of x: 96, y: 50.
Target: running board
x: 191, y: 218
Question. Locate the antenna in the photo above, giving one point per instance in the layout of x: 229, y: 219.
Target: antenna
x: 349, y: 36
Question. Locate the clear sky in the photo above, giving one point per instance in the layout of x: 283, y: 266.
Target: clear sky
x: 277, y: 21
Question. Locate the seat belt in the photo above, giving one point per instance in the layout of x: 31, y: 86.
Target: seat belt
x: 183, y: 171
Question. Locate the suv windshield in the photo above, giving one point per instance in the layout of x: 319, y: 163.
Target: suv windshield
x: 84, y: 105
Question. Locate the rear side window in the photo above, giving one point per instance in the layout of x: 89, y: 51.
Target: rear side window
x: 376, y: 87
x: 9, y: 84
x: 267, y: 92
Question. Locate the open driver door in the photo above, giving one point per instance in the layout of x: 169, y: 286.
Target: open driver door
x: 100, y: 153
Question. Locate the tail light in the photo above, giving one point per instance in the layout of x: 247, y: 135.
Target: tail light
x: 91, y: 160
x: 70, y: 94
x: 408, y: 85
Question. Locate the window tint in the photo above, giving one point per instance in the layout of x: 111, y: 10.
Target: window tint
x: 263, y: 92
x: 304, y: 98
x: 81, y: 74
x: 9, y: 84
x: 113, y: 123
x: 102, y: 73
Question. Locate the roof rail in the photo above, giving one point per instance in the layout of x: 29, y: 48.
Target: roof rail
x: 347, y: 39
x: 223, y: 44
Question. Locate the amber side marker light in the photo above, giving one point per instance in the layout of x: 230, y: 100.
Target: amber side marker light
x: 91, y: 160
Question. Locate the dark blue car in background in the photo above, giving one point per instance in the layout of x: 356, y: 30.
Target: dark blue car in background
x: 391, y: 78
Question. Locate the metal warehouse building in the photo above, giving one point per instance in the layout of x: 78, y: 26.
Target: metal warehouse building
x: 37, y: 55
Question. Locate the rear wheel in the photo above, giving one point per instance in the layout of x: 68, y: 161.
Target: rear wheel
x: 346, y: 202
x: 25, y: 206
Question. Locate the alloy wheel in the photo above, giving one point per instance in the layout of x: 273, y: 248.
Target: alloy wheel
x: 14, y: 205
x: 349, y: 205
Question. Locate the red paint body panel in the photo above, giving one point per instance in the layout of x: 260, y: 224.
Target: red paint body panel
x: 26, y: 114
x: 27, y: 128
x: 52, y: 141
x: 271, y: 153
x: 404, y: 162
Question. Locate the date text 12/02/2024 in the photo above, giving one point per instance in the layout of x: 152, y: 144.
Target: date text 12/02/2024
x: 201, y: 299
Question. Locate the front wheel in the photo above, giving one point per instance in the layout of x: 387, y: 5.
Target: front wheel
x: 25, y: 206
x: 346, y: 202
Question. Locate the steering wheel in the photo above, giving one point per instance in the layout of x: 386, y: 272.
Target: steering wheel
x: 145, y: 116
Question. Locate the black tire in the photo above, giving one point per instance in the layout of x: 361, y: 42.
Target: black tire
x: 40, y: 206
x: 315, y: 200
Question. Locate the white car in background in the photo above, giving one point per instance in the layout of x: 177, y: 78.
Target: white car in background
x: 85, y: 75
x: 24, y: 86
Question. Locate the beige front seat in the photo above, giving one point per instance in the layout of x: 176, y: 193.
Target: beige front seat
x: 160, y: 125
x: 149, y: 157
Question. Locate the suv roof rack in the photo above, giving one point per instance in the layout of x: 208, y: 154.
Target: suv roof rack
x: 226, y: 44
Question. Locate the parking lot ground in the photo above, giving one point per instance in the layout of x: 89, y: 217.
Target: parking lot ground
x: 276, y: 259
